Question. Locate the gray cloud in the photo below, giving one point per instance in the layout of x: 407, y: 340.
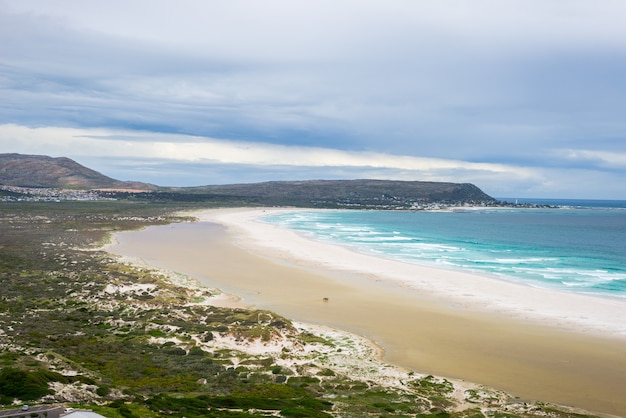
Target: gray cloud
x: 512, y: 83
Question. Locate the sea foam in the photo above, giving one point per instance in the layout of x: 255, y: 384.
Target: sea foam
x: 580, y: 249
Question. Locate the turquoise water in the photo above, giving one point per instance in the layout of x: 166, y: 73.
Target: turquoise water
x: 578, y: 248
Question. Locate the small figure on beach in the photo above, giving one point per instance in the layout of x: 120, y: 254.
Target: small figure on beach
x: 325, y: 299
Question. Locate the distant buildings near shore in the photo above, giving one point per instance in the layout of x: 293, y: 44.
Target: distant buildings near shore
x: 45, y: 194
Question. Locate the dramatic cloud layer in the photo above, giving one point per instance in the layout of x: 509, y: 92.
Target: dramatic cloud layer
x: 522, y: 98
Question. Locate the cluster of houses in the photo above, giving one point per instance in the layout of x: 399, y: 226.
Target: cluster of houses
x: 44, y: 194
x: 408, y: 204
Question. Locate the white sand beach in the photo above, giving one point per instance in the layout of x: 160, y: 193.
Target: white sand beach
x: 530, y: 342
x: 464, y: 290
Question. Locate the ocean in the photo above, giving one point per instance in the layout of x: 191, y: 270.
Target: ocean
x: 578, y: 247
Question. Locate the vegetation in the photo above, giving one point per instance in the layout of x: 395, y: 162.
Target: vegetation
x: 28, y: 176
x: 80, y: 327
x: 26, y: 385
x: 379, y: 194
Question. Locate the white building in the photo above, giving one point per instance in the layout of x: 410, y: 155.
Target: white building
x: 81, y: 414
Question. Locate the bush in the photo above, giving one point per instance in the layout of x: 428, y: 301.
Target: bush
x: 126, y: 412
x: 26, y: 385
x: 102, y: 391
x: 196, y: 351
x: 176, y: 351
x: 300, y: 412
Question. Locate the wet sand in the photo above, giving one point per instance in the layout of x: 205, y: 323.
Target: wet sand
x: 424, y: 332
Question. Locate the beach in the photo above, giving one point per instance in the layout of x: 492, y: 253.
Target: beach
x: 533, y: 343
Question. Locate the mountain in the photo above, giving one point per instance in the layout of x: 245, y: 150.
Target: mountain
x: 347, y: 193
x: 47, y: 172
x: 43, y: 171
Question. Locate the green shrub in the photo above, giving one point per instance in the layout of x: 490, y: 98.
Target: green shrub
x: 102, y: 391
x: 176, y: 351
x: 326, y: 372
x: 27, y: 385
x: 196, y: 351
x: 156, y: 333
x: 300, y: 412
x: 126, y: 412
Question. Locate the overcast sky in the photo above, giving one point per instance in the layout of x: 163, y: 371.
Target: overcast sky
x: 524, y: 98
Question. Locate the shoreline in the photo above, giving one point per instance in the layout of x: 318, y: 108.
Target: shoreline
x: 464, y: 290
x: 451, y: 333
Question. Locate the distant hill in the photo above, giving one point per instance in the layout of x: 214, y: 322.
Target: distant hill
x: 346, y: 193
x: 46, y: 172
x: 43, y: 171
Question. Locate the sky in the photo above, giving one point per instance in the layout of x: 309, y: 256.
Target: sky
x: 523, y: 98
